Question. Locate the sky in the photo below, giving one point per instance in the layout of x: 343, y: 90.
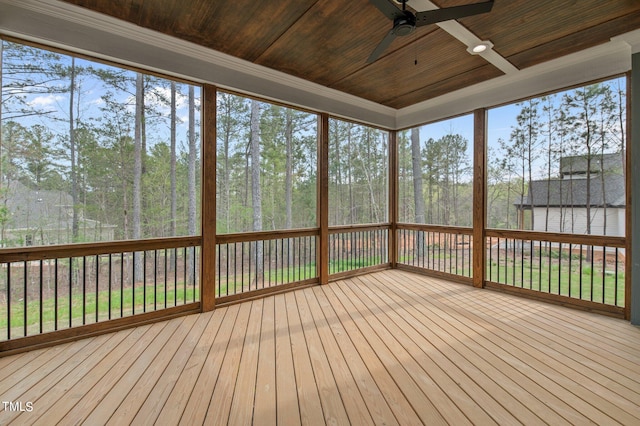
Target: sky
x: 501, y: 120
x: 90, y: 89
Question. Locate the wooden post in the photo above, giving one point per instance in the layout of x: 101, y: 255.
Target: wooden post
x: 208, y: 194
x: 632, y: 290
x: 322, y: 256
x: 479, y: 196
x: 392, y: 245
x: 628, y: 265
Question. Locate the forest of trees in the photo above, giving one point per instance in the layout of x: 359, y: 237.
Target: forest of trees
x: 441, y: 171
x: 587, y: 122
x: 358, y: 174
x: 435, y: 174
x: 266, y: 166
x: 124, y: 145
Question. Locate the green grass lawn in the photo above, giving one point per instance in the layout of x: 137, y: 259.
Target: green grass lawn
x: 232, y: 284
x: 558, y: 279
x: 122, y: 304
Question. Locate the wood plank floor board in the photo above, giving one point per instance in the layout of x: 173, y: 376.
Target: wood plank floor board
x: 223, y: 394
x: 463, y: 400
x: 189, y: 402
x: 243, y: 400
x: 545, y: 328
x: 134, y: 396
x: 308, y: 395
x: 115, y: 361
x: 454, y: 363
x: 14, y: 386
x: 376, y: 404
x: 265, y: 398
x: 46, y: 390
x: 23, y: 378
x: 567, y: 362
x: 543, y: 317
x: 287, y: 404
x: 524, y: 356
x: 10, y: 364
x: 394, y: 361
x: 210, y: 346
x: 620, y: 332
x: 390, y: 348
x: 333, y: 407
x: 554, y: 378
x: 390, y: 389
x: 95, y: 407
x: 355, y: 406
x: 615, y: 331
x: 157, y: 398
x: 487, y: 358
x: 512, y: 379
x: 596, y: 364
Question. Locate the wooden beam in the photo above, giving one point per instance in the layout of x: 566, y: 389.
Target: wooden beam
x: 632, y: 261
x: 322, y: 257
x: 479, y: 195
x: 208, y: 249
x: 627, y: 213
x: 393, y: 199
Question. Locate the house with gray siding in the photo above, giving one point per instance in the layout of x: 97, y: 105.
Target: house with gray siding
x: 561, y: 204
x: 43, y: 217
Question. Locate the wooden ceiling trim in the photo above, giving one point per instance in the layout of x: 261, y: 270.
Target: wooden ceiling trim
x: 577, y: 41
x: 243, y: 28
x: 172, y: 12
x: 327, y: 44
x: 439, y: 57
x: 451, y: 84
x: 515, y: 26
x: 127, y: 10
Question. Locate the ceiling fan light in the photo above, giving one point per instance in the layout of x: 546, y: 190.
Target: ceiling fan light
x: 479, y: 48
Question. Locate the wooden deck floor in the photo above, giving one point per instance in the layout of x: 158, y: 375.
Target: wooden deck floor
x: 387, y: 348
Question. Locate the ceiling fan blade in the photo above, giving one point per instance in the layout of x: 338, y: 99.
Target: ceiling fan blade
x: 382, y: 46
x: 456, y: 12
x: 387, y: 8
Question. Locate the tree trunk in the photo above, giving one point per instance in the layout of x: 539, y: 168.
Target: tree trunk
x: 288, y: 184
x: 256, y: 190
x: 289, y: 169
x: 352, y: 207
x: 137, y: 172
x: 72, y: 148
x: 174, y: 191
x: 550, y: 118
x: 2, y: 191
x: 191, y: 177
x: 418, y: 199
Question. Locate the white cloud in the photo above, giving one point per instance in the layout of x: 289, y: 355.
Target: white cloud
x: 42, y: 101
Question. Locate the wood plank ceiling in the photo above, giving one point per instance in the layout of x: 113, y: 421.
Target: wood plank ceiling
x: 328, y: 41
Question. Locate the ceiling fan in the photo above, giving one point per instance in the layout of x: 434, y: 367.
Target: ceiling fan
x: 405, y: 22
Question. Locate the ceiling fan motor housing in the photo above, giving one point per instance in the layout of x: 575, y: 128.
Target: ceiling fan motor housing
x: 404, y: 25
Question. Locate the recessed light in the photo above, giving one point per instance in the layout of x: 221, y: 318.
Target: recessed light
x: 481, y: 47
